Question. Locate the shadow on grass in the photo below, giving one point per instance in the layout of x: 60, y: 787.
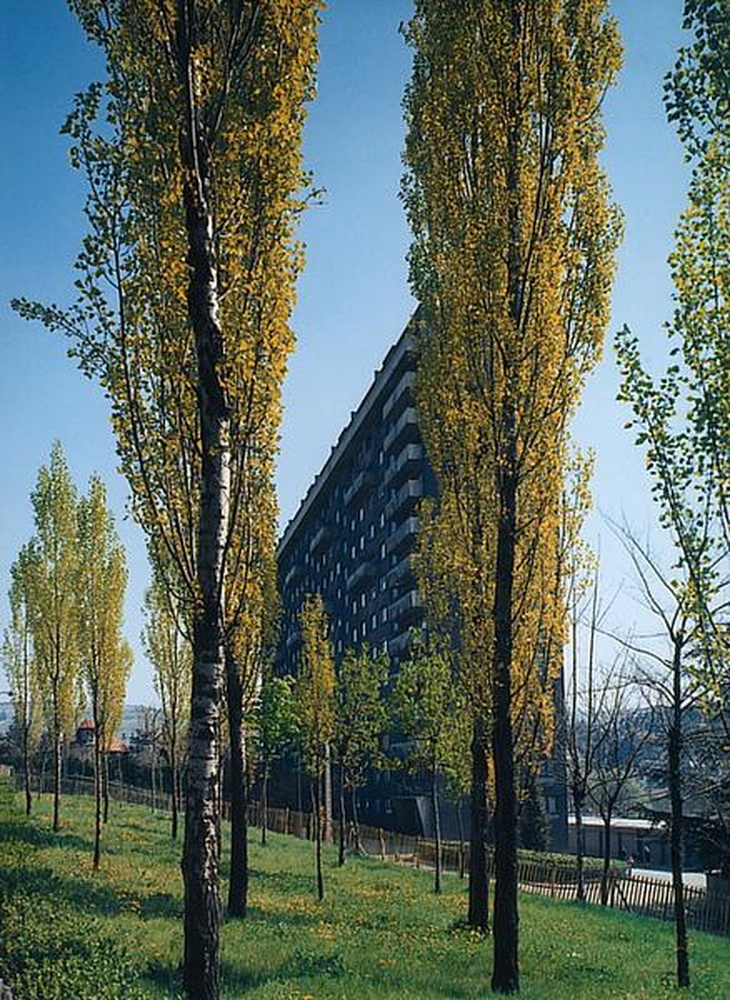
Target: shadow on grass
x: 162, y: 904
x: 43, y: 883
x: 20, y: 831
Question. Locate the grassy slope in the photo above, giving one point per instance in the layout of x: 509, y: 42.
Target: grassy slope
x: 380, y: 933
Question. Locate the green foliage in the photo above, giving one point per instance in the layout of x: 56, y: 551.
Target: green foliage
x: 682, y: 416
x: 274, y: 719
x: 430, y: 711
x: 315, y: 690
x: 360, y: 712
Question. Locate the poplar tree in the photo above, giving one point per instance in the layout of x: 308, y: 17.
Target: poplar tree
x: 360, y: 720
x: 186, y: 284
x: 682, y: 419
x: 426, y: 702
x: 105, y: 656
x: 54, y: 574
x: 276, y: 730
x: 512, y: 262
x: 20, y: 665
x: 170, y: 652
x: 316, y: 702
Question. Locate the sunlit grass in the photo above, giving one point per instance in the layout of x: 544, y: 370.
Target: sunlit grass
x: 380, y: 933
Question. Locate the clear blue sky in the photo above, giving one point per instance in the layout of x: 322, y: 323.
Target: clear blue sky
x: 353, y: 299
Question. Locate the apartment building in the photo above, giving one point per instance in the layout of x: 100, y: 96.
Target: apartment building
x: 351, y: 540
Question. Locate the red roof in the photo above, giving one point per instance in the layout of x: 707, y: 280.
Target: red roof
x: 87, y: 724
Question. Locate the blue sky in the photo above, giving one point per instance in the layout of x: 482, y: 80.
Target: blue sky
x: 353, y: 298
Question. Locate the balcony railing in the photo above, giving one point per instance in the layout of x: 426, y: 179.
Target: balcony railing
x: 360, y: 485
x: 405, y: 430
x: 403, y: 467
x: 404, y: 536
x: 402, y: 571
x: 407, y: 608
x: 319, y: 539
x: 406, y: 496
x: 360, y: 576
x: 402, y: 393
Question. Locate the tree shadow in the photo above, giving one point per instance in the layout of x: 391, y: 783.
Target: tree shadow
x: 36, y: 836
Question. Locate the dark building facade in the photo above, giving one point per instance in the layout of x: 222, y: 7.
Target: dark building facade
x: 352, y: 536
x: 351, y: 541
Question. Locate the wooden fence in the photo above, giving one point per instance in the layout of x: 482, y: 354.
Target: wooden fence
x: 633, y: 892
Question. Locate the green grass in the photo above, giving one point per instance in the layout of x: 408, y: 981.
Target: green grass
x: 381, y: 934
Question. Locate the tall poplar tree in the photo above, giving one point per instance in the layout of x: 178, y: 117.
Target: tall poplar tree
x: 512, y: 263
x: 105, y: 656
x: 186, y: 286
x: 54, y: 608
x: 683, y: 416
x: 20, y: 665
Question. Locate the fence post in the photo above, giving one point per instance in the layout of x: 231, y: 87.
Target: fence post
x: 381, y: 839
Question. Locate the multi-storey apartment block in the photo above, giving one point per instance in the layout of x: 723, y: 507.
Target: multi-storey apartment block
x: 352, y: 536
x: 351, y: 541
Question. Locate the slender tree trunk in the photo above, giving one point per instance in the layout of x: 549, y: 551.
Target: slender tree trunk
x: 26, y: 773
x: 606, y: 857
x: 317, y: 809
x: 327, y: 781
x: 98, y: 781
x: 505, y: 975
x: 356, y: 820
x: 579, y: 846
x: 460, y: 822
x: 153, y: 788
x: 105, y: 784
x: 478, y: 915
x: 238, y: 882
x: 57, y: 778
x: 175, y: 789
x: 343, y: 819
x: 263, y: 818
x: 201, y: 974
x: 437, y: 828
x: 675, y: 796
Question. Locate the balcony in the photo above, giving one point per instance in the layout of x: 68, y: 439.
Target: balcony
x: 404, y: 432
x: 405, y: 497
x: 401, y: 572
x: 293, y: 572
x: 404, y: 536
x: 360, y: 576
x: 406, y: 466
x: 359, y: 487
x: 319, y: 539
x: 402, y: 394
x: 406, y: 609
x: 399, y: 645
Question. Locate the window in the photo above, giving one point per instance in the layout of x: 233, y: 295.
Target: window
x: 362, y: 599
x: 384, y: 615
x: 382, y: 550
x: 374, y: 622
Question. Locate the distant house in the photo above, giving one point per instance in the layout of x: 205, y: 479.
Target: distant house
x: 85, y: 734
x: 86, y: 737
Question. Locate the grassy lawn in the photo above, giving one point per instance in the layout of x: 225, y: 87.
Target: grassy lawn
x: 381, y: 933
